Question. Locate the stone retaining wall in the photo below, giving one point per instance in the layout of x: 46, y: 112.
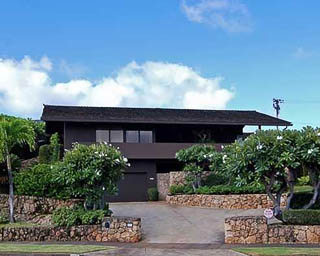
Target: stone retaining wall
x: 244, y: 201
x: 29, y: 205
x: 179, y: 178
x: 163, y: 180
x: 121, y: 229
x: 255, y: 230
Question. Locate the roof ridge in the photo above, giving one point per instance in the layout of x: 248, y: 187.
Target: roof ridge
x: 149, y: 108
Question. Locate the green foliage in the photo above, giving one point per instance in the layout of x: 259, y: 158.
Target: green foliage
x: 180, y: 189
x: 304, y: 180
x: 55, y: 147
x: 50, y: 153
x: 45, y: 154
x: 217, y: 190
x: 90, y: 171
x: 85, y: 172
x: 78, y: 216
x: 301, y: 217
x: 197, y: 159
x: 15, y: 132
x: 216, y: 179
x: 261, y: 156
x: 153, y: 194
x: 40, y: 180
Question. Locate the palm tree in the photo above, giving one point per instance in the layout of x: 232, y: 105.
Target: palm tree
x: 14, y: 132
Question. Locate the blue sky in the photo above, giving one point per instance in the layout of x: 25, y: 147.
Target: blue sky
x: 240, y: 54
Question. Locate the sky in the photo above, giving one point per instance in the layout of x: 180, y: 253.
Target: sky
x: 200, y: 54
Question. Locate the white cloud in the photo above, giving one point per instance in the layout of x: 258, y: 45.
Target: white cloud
x: 301, y: 53
x: 229, y: 15
x: 25, y: 85
x: 72, y: 69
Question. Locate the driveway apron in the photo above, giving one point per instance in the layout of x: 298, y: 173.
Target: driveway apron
x: 164, y: 223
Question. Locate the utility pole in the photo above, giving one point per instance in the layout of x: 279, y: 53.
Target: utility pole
x: 276, y: 106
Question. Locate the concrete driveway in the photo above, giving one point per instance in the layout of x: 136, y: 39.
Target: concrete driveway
x: 164, y: 223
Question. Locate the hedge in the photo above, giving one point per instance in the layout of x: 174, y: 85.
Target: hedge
x: 301, y: 217
x: 217, y: 190
x: 78, y: 216
x: 153, y: 194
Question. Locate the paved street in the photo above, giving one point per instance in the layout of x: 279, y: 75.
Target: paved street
x: 166, y: 252
x: 163, y: 223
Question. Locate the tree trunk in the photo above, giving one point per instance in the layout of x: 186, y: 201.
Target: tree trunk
x: 316, y: 185
x: 314, y: 197
x: 275, y: 199
x: 291, y: 188
x: 11, y: 195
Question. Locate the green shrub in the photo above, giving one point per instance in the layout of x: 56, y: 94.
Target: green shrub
x: 304, y: 181
x: 55, y: 148
x: 40, y: 180
x: 50, y: 153
x: 67, y: 217
x: 216, y: 179
x: 217, y: 190
x: 153, y: 194
x: 196, y: 160
x: 301, y: 217
x: 181, y: 189
x: 45, y: 154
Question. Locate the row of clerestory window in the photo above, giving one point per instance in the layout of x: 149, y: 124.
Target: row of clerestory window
x: 120, y: 136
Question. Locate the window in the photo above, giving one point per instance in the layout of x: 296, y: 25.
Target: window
x: 116, y: 136
x: 132, y: 136
x: 146, y: 137
x: 102, y: 136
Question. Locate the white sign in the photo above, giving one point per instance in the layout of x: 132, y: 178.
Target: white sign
x: 268, y: 213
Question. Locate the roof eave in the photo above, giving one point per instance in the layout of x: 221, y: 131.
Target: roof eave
x: 283, y: 123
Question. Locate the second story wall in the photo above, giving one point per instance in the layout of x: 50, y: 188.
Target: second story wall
x: 148, y: 133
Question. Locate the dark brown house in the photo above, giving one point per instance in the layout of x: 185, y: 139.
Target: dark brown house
x: 149, y: 137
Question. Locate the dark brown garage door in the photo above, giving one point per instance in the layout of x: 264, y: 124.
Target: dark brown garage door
x: 133, y: 188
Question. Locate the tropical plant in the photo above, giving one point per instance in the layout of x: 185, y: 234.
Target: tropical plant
x: 267, y: 157
x: 308, y: 145
x: 198, y: 159
x: 91, y: 171
x: 12, y: 133
x: 50, y: 153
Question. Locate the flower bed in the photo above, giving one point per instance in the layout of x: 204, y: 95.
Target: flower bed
x: 244, y: 201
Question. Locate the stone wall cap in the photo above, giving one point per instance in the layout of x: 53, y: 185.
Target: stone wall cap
x: 125, y: 218
x: 245, y: 218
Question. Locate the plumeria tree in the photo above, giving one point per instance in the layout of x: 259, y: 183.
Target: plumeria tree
x: 14, y: 132
x: 91, y: 171
x: 198, y: 159
x: 267, y: 157
x: 309, y: 153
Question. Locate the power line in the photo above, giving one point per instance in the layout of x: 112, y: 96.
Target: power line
x: 302, y: 101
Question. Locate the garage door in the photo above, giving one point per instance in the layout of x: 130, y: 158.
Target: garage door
x: 133, y: 188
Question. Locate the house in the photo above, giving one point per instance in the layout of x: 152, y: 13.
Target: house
x: 149, y: 137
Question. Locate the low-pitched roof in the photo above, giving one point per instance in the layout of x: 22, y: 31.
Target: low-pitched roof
x: 158, y: 115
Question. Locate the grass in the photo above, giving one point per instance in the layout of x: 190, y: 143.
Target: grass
x: 279, y: 251
x: 52, y: 248
x: 301, y: 189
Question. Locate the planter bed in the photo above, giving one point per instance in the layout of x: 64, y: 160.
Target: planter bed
x: 113, y: 229
x: 242, y: 201
x: 255, y: 230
